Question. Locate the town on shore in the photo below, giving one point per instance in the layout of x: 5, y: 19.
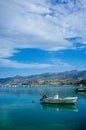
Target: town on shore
x: 73, y: 77
x: 46, y: 82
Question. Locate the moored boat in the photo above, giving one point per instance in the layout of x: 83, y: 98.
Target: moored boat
x: 57, y: 100
x: 81, y: 90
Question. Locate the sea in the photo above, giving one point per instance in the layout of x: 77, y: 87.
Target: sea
x: 20, y: 109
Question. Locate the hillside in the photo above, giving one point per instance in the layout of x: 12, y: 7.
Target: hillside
x: 74, y: 74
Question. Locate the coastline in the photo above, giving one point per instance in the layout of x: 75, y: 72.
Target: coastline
x: 41, y: 82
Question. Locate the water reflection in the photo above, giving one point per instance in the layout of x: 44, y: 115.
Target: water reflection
x: 57, y: 107
x: 49, y: 90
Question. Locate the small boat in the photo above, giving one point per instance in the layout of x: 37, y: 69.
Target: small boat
x: 81, y: 90
x: 57, y: 100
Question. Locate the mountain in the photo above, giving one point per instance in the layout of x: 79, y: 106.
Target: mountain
x: 74, y: 74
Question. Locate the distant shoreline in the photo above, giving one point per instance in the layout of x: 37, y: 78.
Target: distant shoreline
x: 40, y: 82
x: 73, y: 77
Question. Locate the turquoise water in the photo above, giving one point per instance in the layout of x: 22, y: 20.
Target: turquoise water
x: 17, y: 112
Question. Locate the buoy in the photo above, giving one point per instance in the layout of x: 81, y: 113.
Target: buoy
x: 33, y: 101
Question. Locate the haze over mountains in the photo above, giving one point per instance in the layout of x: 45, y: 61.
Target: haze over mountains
x: 74, y: 74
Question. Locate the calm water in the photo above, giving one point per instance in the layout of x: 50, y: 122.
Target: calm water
x: 17, y: 112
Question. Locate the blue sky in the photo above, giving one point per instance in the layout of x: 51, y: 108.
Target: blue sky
x: 39, y: 36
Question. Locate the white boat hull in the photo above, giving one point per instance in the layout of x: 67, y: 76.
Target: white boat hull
x: 67, y: 100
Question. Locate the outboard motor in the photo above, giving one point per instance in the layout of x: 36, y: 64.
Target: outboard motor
x: 44, y: 96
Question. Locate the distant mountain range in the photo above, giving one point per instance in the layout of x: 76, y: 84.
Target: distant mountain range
x: 74, y: 74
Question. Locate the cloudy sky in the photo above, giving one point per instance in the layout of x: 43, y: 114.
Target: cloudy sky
x: 39, y: 36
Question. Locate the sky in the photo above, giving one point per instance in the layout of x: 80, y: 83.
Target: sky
x: 40, y: 36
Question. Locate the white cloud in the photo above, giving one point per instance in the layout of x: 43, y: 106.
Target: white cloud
x: 40, y: 24
x: 55, y: 63
x: 60, y: 63
x: 15, y: 64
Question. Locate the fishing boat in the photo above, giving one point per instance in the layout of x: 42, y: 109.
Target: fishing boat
x: 57, y: 100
